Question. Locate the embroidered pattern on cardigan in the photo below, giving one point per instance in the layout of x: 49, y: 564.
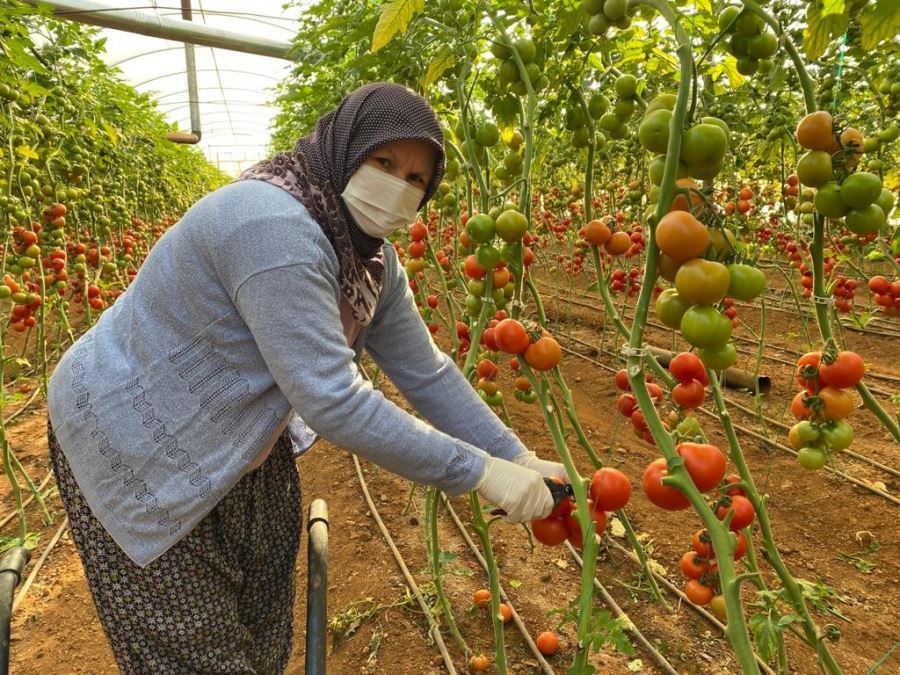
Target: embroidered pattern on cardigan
x: 104, y: 447
x: 167, y: 441
x: 220, y: 388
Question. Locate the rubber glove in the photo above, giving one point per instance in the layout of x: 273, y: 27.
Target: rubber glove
x: 549, y: 469
x: 519, y: 491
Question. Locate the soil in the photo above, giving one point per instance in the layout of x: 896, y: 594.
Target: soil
x: 827, y: 531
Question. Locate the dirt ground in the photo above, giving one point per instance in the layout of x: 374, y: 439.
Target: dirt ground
x: 826, y: 529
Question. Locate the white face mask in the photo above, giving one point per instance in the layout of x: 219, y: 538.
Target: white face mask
x: 379, y: 202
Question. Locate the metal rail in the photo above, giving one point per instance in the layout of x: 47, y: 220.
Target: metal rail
x: 143, y: 23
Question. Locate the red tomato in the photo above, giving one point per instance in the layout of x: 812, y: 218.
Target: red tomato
x: 626, y: 404
x: 544, y: 354
x: 693, y: 566
x: 845, y: 371
x: 689, y: 394
x: 807, y: 371
x: 704, y: 462
x: 511, y: 337
x: 549, y: 531
x: 610, y: 489
x: 697, y: 592
x: 687, y: 366
x: 744, y: 513
x: 663, y: 496
x: 622, y: 380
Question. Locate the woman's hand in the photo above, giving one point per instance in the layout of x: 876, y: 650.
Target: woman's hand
x: 518, y: 490
x: 548, y: 469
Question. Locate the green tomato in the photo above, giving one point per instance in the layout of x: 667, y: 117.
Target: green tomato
x: 653, y: 131
x: 670, y: 308
x: 828, y: 201
x: 487, y: 256
x: 837, y: 434
x: 719, y: 358
x: 511, y: 226
x: 702, y: 282
x: 475, y: 287
x: 703, y: 145
x: 473, y: 305
x: 704, y: 326
x: 886, y: 201
x: 866, y: 220
x: 812, y: 457
x: 861, y: 189
x: 689, y: 427
x: 745, y: 282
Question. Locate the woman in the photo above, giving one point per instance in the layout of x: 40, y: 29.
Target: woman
x: 173, y: 420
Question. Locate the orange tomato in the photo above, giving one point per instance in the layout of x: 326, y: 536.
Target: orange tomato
x: 815, y: 132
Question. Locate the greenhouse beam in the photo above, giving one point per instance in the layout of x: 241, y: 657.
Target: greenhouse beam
x: 135, y: 21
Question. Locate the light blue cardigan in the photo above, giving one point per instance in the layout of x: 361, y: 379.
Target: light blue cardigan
x: 233, y: 320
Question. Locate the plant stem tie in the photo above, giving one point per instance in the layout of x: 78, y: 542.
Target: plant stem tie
x: 822, y: 300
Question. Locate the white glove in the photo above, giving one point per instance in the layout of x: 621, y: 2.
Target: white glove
x: 519, y: 491
x: 549, y: 469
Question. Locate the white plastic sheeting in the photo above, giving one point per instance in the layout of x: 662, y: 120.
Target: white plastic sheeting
x: 236, y: 90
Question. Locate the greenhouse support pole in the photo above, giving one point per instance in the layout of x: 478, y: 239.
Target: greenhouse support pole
x: 190, y: 67
x: 135, y: 21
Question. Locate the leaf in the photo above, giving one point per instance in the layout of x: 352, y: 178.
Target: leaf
x: 439, y: 64
x: 821, y: 30
x: 832, y: 7
x: 636, y: 665
x: 594, y: 286
x: 765, y: 633
x: 881, y: 22
x: 110, y: 132
x: 395, y: 17
x: 704, y: 6
x: 515, y: 583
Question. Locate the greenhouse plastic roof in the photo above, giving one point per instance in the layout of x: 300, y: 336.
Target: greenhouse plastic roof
x: 236, y: 90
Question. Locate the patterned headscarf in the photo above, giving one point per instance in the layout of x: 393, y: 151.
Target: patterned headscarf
x: 319, y: 167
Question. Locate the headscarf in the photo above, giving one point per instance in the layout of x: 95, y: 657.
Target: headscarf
x: 317, y: 170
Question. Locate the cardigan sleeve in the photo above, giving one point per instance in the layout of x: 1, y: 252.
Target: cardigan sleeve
x: 400, y: 344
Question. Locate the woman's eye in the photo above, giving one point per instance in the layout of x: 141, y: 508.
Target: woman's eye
x: 383, y: 162
x: 416, y: 178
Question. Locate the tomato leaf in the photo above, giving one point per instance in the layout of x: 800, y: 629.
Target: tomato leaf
x: 832, y: 7
x: 765, y: 634
x: 438, y: 66
x: 395, y: 17
x: 881, y: 22
x: 821, y: 30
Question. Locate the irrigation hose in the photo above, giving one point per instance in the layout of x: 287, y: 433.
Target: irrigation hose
x: 432, y: 624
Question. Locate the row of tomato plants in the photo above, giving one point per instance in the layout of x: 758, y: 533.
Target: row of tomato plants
x: 684, y: 251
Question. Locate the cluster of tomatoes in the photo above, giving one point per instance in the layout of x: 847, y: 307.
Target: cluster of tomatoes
x: 749, y: 41
x: 540, y: 350
x: 823, y: 405
x: 609, y: 491
x: 692, y: 379
x: 744, y: 203
x: 699, y: 567
x: 598, y: 233
x: 628, y: 407
x: 700, y: 285
x: 887, y: 294
x: 621, y: 281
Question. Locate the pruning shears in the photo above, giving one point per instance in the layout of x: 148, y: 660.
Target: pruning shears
x: 560, y: 491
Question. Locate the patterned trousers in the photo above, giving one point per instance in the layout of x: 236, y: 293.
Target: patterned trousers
x: 220, y: 600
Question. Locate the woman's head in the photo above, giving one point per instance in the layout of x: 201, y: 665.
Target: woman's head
x: 383, y: 125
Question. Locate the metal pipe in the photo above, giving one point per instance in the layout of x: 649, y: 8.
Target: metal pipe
x: 135, y: 21
x: 190, y: 67
x: 10, y: 574
x: 317, y: 588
